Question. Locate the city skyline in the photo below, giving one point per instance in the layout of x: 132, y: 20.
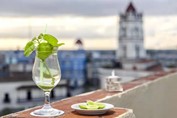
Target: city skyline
x: 93, y: 21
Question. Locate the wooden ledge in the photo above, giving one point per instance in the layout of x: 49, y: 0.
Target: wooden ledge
x: 65, y: 105
x: 113, y: 113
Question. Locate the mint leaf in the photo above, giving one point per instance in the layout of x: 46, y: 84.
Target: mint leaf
x: 50, y: 39
x: 29, y: 48
x: 44, y: 50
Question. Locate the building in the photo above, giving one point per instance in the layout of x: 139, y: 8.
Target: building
x: 131, y: 36
x: 131, y: 52
x: 19, y: 91
x: 97, y: 59
x: 168, y: 58
x: 79, y: 44
x: 73, y: 65
x: 131, y: 55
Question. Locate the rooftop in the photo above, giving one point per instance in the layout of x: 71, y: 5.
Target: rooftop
x: 130, y: 8
x: 78, y: 41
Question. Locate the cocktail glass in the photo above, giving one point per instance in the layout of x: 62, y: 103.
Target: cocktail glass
x: 46, y: 74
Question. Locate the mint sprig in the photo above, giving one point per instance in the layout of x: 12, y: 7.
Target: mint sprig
x: 44, y: 43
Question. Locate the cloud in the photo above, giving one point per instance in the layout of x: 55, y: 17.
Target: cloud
x: 90, y: 8
x: 24, y: 32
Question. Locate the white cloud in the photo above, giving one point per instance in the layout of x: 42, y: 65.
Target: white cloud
x: 164, y: 31
x: 65, y: 27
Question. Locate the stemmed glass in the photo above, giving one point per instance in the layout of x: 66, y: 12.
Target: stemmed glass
x: 46, y: 74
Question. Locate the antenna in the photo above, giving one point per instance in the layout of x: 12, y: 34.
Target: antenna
x: 113, y: 73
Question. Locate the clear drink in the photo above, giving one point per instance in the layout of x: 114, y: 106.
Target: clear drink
x: 46, y: 75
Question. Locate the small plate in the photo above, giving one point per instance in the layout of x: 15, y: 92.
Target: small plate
x: 91, y: 112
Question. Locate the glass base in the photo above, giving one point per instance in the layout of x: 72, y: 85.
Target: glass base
x: 47, y: 112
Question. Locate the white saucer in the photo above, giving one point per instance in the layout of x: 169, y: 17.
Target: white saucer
x: 91, y: 112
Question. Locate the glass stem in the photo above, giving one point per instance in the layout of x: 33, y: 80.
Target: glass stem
x: 47, y: 100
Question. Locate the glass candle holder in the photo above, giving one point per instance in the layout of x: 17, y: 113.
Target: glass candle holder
x: 112, y: 83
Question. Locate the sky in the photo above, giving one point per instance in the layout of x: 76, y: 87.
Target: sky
x: 94, y: 21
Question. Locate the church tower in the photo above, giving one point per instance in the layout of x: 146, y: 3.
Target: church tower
x: 131, y: 37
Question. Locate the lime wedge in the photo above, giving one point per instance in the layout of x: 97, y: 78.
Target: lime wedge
x: 92, y: 107
x: 83, y: 106
x: 89, y: 102
x: 100, y: 105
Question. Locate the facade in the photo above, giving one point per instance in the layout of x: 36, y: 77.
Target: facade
x: 131, y: 37
x: 22, y: 93
x: 73, y: 66
x: 97, y: 59
x: 168, y: 58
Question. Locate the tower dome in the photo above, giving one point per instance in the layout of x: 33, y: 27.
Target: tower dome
x: 79, y: 43
x: 130, y: 8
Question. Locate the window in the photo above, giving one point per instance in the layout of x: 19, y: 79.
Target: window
x: 28, y: 95
x: 136, y: 29
x: 124, y: 31
x: 124, y: 50
x: 137, y: 49
x: 6, y: 98
x: 52, y: 94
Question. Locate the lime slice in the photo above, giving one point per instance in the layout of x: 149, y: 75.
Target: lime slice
x: 83, y: 106
x: 92, y: 107
x: 89, y: 102
x: 100, y: 105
